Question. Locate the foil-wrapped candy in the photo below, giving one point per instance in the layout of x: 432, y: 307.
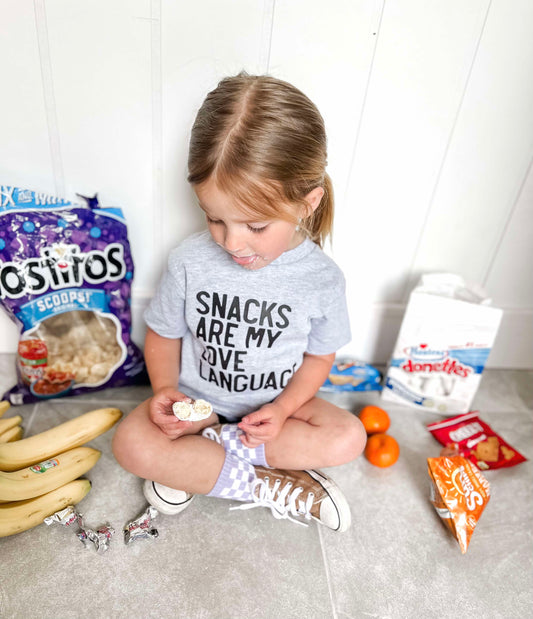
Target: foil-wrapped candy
x: 69, y: 516
x: 141, y: 527
x: 65, y: 517
x: 100, y: 538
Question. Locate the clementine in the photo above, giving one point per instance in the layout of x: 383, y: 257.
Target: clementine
x: 374, y: 419
x: 382, y: 450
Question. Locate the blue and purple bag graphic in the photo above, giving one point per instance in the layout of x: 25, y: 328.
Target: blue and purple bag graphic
x: 65, y: 279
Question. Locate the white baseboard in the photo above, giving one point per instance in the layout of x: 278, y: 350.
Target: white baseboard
x: 372, y: 342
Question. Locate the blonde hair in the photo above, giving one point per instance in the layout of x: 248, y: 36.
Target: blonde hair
x: 264, y: 142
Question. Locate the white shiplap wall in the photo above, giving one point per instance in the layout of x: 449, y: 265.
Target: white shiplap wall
x: 428, y: 105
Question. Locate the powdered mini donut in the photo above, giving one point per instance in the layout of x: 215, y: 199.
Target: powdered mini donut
x: 182, y: 410
x: 202, y: 409
x: 192, y: 411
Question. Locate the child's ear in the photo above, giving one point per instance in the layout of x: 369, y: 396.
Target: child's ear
x: 313, y: 198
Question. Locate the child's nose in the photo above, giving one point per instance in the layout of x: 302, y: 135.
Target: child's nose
x: 233, y: 241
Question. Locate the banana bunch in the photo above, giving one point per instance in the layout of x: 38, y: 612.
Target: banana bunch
x: 38, y: 474
x: 10, y: 429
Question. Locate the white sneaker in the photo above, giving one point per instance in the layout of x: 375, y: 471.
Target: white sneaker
x: 166, y: 500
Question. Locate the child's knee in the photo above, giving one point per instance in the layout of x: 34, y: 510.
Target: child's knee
x: 359, y: 436
x: 129, y: 448
x: 122, y: 445
x: 353, y: 439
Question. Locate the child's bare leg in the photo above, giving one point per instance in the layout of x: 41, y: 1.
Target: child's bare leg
x: 319, y: 434
x: 191, y: 463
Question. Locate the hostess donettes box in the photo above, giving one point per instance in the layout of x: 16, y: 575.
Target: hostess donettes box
x: 444, y: 342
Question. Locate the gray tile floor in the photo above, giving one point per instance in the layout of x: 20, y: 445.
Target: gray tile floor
x: 396, y: 561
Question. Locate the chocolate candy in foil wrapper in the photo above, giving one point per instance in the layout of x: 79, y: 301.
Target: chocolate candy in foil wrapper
x: 99, y: 538
x: 141, y: 527
x: 65, y: 517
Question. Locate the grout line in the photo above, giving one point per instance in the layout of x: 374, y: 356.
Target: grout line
x: 506, y: 225
x: 375, y: 29
x: 328, y: 574
x: 80, y: 400
x: 156, y: 68
x: 30, y: 420
x: 423, y: 228
x: 49, y: 97
x: 267, y: 28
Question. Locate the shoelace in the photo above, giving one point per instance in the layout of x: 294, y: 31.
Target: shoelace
x: 285, y: 505
x: 212, y: 434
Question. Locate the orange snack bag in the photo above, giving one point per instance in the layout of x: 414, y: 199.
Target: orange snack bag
x: 459, y: 493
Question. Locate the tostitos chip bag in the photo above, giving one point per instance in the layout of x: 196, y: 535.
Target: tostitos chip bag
x: 469, y: 436
x: 65, y: 279
x: 459, y: 493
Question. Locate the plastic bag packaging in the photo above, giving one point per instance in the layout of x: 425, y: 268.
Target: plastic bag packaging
x: 66, y: 272
x: 445, y: 339
x: 469, y: 436
x: 459, y: 493
x: 352, y: 375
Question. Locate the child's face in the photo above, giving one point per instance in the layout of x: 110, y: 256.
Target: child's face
x: 252, y: 243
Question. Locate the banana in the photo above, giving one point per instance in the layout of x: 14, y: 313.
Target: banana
x: 23, y: 515
x: 4, y: 406
x: 14, y: 434
x: 46, y: 476
x: 50, y: 443
x: 10, y: 422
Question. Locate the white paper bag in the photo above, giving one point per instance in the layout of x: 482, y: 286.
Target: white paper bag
x: 445, y: 339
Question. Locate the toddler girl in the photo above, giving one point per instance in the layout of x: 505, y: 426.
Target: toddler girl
x: 248, y: 316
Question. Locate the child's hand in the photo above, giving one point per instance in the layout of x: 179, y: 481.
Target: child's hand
x: 262, y: 426
x: 162, y: 416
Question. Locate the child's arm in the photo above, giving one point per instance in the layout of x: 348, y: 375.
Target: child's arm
x: 266, y: 423
x: 163, y: 356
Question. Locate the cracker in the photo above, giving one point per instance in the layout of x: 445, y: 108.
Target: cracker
x: 488, y: 450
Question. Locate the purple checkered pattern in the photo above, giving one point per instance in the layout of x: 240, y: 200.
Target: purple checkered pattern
x: 228, y: 436
x: 234, y: 479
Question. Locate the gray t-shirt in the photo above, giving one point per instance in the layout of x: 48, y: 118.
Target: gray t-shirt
x: 244, y: 332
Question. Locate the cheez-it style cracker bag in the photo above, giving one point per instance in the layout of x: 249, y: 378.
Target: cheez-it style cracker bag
x: 469, y: 436
x: 459, y: 493
x: 66, y: 271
